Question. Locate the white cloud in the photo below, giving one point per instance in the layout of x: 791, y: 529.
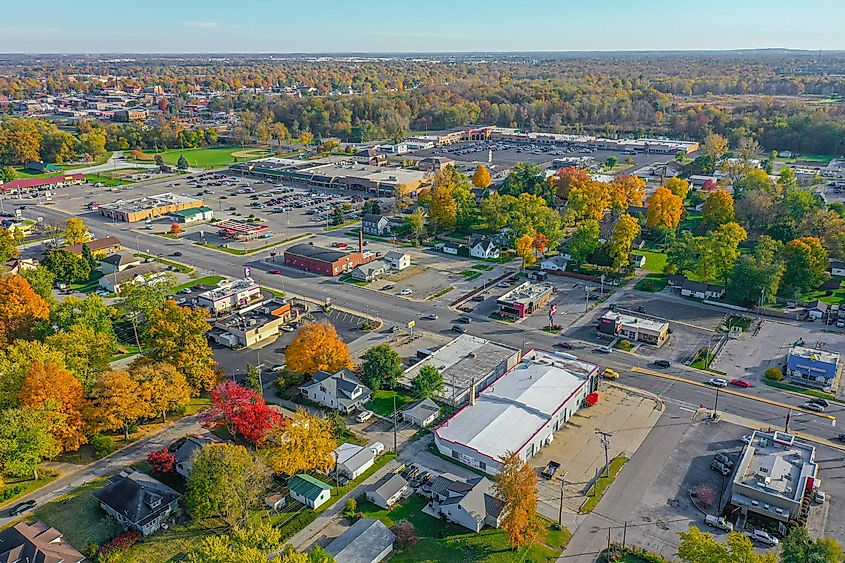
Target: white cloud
x: 201, y: 25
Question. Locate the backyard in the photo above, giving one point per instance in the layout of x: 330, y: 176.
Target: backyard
x: 443, y: 541
x: 382, y: 401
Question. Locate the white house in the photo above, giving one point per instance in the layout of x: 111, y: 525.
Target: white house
x: 484, y: 248
x: 396, y: 260
x: 342, y: 391
x: 309, y: 490
x: 353, y: 460
x: 555, y: 263
x: 369, y: 272
x: 422, y: 413
x: 387, y: 491
x: 144, y: 274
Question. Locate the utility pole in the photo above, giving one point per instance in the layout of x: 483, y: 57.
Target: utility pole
x: 560, y: 510
x: 605, y: 440
x: 624, y: 534
x: 395, y: 449
x: 788, y: 415
x: 259, y: 366
x: 716, y: 404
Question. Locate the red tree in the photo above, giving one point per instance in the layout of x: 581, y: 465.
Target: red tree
x: 253, y: 422
x: 162, y: 461
x: 242, y: 410
x: 541, y: 243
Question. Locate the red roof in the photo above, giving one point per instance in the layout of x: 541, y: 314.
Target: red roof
x: 38, y: 182
x: 709, y: 186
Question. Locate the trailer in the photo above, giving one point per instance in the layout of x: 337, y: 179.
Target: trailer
x: 550, y: 469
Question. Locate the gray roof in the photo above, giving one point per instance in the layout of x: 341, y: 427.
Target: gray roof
x: 186, y: 449
x: 476, y: 497
x: 358, y: 459
x: 122, y: 276
x: 371, y: 218
x: 389, y: 485
x: 316, y: 252
x: 485, y: 243
x: 422, y: 409
x: 132, y: 495
x: 394, y: 254
x: 365, y: 540
x: 341, y: 385
x: 120, y: 258
x: 372, y: 267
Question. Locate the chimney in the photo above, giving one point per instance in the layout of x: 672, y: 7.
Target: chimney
x: 472, y: 392
x: 361, y: 240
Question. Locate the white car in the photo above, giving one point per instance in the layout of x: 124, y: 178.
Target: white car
x: 819, y: 496
x: 430, y: 317
x: 747, y: 438
x: 764, y: 537
x: 813, y: 407
x: 364, y: 416
x: 406, y: 291
x: 718, y: 382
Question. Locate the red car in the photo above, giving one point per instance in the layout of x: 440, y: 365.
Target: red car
x: 278, y: 272
x: 740, y: 383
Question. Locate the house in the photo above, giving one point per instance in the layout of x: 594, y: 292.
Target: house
x: 137, y: 501
x: 100, y: 246
x: 376, y: 225
x: 145, y: 274
x: 701, y: 290
x: 366, y: 541
x: 36, y: 543
x: 817, y: 309
x: 309, y: 490
x: 837, y: 268
x: 422, y: 413
x: 352, y: 460
x: 342, y: 391
x: 369, y: 272
x: 484, y: 248
x: 396, y: 260
x: 118, y: 262
x: 637, y: 260
x: 387, y: 491
x: 19, y: 265
x: 471, y: 504
x: 453, y: 248
x: 275, y: 501
x: 555, y: 263
x: 183, y: 452
x: 40, y: 167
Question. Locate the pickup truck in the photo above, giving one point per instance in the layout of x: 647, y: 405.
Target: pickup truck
x: 718, y: 522
x: 550, y: 469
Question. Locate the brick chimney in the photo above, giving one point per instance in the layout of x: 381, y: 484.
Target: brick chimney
x: 361, y: 240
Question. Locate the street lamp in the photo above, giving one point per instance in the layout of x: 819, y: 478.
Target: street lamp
x: 716, y: 404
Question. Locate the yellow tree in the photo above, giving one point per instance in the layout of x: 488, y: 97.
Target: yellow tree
x: 715, y: 146
x: 176, y: 336
x: 665, y: 209
x: 442, y: 209
x: 516, y: 487
x: 163, y: 386
x: 525, y: 249
x: 117, y: 402
x: 481, y: 178
x: 75, y: 231
x: 20, y: 309
x: 306, y: 443
x: 588, y: 201
x: 626, y: 190
x: 49, y: 381
x: 626, y: 230
x: 317, y: 347
x: 718, y: 208
x: 677, y: 186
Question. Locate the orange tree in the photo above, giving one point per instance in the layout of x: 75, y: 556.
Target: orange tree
x: 20, y: 309
x: 317, y: 347
x: 665, y: 209
x: 516, y: 486
x: 49, y: 381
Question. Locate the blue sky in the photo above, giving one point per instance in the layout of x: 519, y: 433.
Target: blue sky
x: 282, y: 26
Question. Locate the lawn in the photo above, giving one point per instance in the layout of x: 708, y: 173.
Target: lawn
x: 471, y: 274
x: 598, y: 489
x: 798, y: 389
x: 211, y: 157
x: 79, y: 517
x: 654, y: 261
x: 829, y: 296
x: 347, y: 278
x: 125, y: 351
x: 16, y: 488
x: 89, y: 285
x: 652, y: 283
x: 444, y: 541
x: 482, y: 267
x: 382, y: 401
x: 106, y: 180
x: 690, y: 222
x: 207, y: 280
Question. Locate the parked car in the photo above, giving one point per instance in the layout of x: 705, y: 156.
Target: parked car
x: 763, y: 537
x: 276, y: 271
x: 388, y: 287
x: 430, y: 317
x: 364, y: 416
x: 22, y: 507
x: 286, y: 328
x: 602, y: 349
x: 406, y: 291
x: 177, y: 254
x: 718, y: 522
x: 841, y: 437
x: 277, y: 367
x: 464, y: 320
x: 740, y: 383
x: 718, y: 382
x: 819, y: 496
x: 478, y: 298
x: 821, y: 402
x: 564, y: 345
x: 720, y: 467
x: 747, y: 438
x: 458, y: 329
x: 724, y: 460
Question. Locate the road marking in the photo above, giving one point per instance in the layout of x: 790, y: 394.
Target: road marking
x: 637, y: 369
x: 687, y: 409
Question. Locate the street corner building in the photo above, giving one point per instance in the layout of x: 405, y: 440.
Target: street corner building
x: 518, y: 412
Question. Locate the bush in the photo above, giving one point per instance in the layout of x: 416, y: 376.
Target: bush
x: 405, y: 533
x: 297, y: 523
x: 705, y: 494
x: 9, y: 491
x: 103, y: 445
x: 121, y: 543
x: 351, y: 505
x: 625, y: 345
x: 775, y: 374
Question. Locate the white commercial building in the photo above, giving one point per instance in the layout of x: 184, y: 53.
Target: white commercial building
x: 229, y: 294
x: 519, y: 412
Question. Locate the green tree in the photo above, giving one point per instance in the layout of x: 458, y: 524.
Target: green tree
x: 7, y: 174
x: 337, y: 216
x: 528, y: 178
x: 611, y: 162
x: 700, y: 547
x: 87, y: 352
x: 252, y: 543
x: 381, y: 368
x: 182, y: 163
x: 718, y: 209
x: 91, y: 312
x: 252, y: 379
x: 89, y: 257
x: 495, y: 211
x: 805, y: 261
x: 724, y: 248
x: 8, y: 245
x: 428, y: 382
x: 584, y: 241
x: 26, y: 439
x: 414, y: 225
x: 799, y: 546
x: 225, y: 481
x: 41, y: 279
x: 66, y: 266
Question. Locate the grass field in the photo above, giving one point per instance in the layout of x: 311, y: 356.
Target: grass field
x: 382, y: 401
x: 16, y: 488
x: 654, y: 261
x: 444, y: 541
x: 207, y: 280
x: 211, y: 157
x: 829, y: 296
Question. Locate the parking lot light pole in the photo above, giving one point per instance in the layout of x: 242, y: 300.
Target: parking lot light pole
x: 716, y: 404
x: 560, y: 510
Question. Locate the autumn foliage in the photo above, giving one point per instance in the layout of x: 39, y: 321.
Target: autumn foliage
x: 317, y: 347
x: 516, y: 486
x: 665, y: 209
x: 162, y: 461
x: 20, y: 309
x: 175, y: 229
x: 49, y: 381
x: 307, y: 443
x: 242, y: 411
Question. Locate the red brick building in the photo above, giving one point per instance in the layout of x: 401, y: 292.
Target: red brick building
x: 324, y: 260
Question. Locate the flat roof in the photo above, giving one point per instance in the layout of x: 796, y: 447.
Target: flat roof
x: 512, y: 409
x: 150, y: 202
x: 316, y: 252
x: 334, y: 168
x: 463, y: 359
x: 815, y: 355
x: 228, y: 288
x: 526, y: 292
x: 240, y: 227
x: 654, y: 325
x: 775, y: 463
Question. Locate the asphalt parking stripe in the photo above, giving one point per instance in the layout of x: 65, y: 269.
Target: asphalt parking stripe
x: 730, y: 392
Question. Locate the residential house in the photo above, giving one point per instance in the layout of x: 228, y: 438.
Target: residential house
x: 396, y: 260
x: 145, y: 274
x: 471, y: 504
x: 387, y: 491
x: 701, y: 290
x: 309, y: 490
x: 484, y: 248
x: 40, y: 167
x: 369, y: 272
x: 837, y: 268
x: 36, y: 543
x: 366, y: 541
x: 555, y: 263
x: 353, y: 460
x: 20, y: 265
x: 184, y: 451
x: 817, y: 309
x: 100, y: 247
x: 453, y: 248
x: 422, y: 413
x: 137, y: 501
x: 376, y: 225
x: 118, y: 262
x: 342, y: 391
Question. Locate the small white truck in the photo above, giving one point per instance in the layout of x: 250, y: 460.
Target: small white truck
x: 718, y: 522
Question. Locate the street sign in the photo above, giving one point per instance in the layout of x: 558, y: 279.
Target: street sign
x: 411, y: 324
